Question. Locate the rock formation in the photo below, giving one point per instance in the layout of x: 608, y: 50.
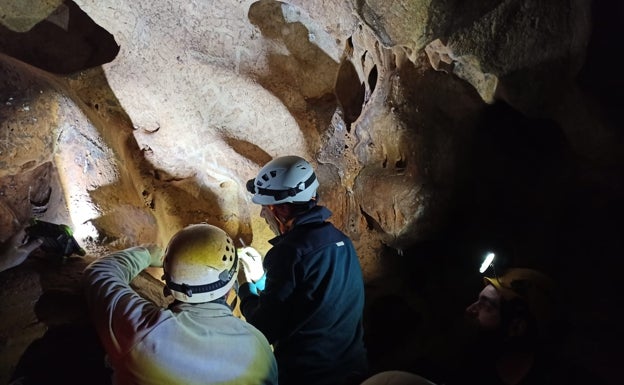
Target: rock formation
x: 437, y: 129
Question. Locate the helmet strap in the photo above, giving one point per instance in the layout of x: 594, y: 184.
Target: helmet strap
x: 224, y: 278
x: 281, y: 194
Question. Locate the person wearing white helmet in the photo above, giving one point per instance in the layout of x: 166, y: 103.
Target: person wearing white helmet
x: 307, y: 295
x: 197, y: 339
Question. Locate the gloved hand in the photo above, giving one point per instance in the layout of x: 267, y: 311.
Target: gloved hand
x: 250, y: 264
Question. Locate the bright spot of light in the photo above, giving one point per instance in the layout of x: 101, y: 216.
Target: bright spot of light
x: 81, y: 211
x: 85, y: 230
x: 487, y: 262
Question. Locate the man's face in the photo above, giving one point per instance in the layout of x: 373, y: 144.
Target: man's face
x: 486, y: 310
x: 270, y: 219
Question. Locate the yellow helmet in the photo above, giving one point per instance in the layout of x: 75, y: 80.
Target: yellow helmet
x: 532, y: 286
x: 200, y: 264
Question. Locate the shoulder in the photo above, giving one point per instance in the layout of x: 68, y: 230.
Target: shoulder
x: 310, y: 237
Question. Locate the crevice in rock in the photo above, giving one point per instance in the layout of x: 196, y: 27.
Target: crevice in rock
x: 350, y: 92
x: 372, y: 79
x: 371, y: 223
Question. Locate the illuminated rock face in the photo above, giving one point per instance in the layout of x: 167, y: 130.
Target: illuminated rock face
x: 129, y: 120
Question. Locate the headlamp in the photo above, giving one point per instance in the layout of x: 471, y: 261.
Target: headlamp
x: 487, y: 262
x: 250, y: 185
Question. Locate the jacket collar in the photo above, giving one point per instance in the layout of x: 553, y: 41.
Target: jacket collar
x: 316, y: 214
x: 214, y: 309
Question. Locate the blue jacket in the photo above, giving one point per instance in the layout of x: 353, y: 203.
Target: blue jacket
x: 312, y: 303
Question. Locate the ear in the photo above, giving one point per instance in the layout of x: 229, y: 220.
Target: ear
x: 282, y: 212
x: 518, y: 327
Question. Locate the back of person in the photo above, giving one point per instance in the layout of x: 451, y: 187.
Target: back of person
x: 516, y: 320
x: 196, y: 344
x: 307, y: 295
x: 323, y: 340
x: 197, y: 339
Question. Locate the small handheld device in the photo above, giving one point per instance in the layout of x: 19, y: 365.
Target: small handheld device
x: 58, y: 239
x: 245, y: 245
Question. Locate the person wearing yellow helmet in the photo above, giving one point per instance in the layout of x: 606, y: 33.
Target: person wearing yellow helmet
x: 523, y: 297
x: 517, y: 316
x: 197, y: 339
x: 307, y: 295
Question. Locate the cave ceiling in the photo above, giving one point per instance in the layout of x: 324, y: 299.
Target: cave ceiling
x: 157, y: 112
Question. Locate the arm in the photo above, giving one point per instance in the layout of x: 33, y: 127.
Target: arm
x: 269, y: 309
x: 121, y: 316
x: 16, y: 249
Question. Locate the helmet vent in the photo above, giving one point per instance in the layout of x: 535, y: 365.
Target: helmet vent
x: 198, y: 256
x: 284, y: 179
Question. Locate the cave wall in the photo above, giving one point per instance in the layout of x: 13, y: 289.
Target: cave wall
x: 438, y: 129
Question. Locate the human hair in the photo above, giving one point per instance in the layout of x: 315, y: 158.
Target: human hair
x: 542, y: 331
x: 295, y: 209
x: 517, y: 310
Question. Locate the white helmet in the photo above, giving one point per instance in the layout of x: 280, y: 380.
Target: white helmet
x: 288, y: 179
x: 200, y: 264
